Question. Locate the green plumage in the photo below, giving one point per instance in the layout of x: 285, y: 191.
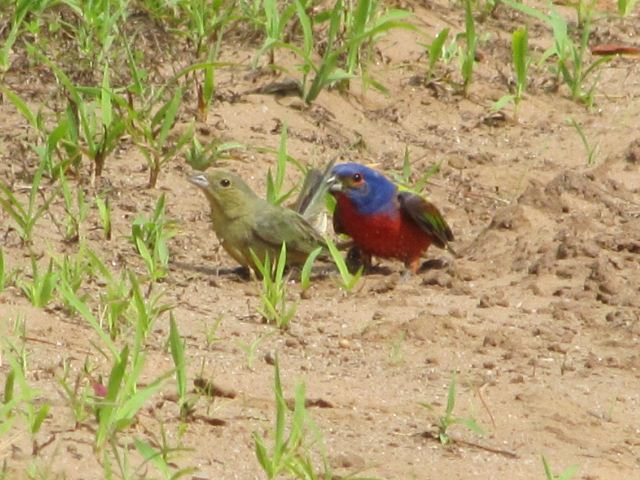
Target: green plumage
x: 244, y: 222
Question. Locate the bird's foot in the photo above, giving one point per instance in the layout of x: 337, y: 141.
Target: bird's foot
x: 357, y: 259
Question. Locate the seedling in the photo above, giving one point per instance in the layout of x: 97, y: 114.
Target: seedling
x: 275, y: 308
x: 521, y: 61
x: 436, y: 51
x: 625, y: 7
x: 405, y: 178
x: 592, y: 151
x: 74, y: 270
x: 3, y: 278
x: 275, y: 184
x: 76, y: 209
x: 151, y: 125
x: 176, y: 345
x: 152, y: 137
x: 274, y: 27
x: 93, y: 130
x: 570, y: 58
x: 104, y: 210
x: 289, y: 454
x: 201, y: 158
x: 160, y: 459
x: 449, y: 419
x: 123, y: 399
x: 469, y: 52
x: 41, y: 288
x: 348, y: 281
x: 150, y: 237
x: 364, y: 26
x: 251, y: 349
x: 211, y: 332
x: 305, y: 273
x: 26, y: 217
x: 567, y: 474
x: 26, y: 396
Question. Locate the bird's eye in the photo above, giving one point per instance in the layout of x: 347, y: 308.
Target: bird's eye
x: 357, y: 178
x: 225, y: 182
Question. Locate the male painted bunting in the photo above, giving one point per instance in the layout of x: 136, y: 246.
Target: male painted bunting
x: 244, y: 222
x: 383, y: 221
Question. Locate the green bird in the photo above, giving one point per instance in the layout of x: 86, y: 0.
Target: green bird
x: 244, y: 222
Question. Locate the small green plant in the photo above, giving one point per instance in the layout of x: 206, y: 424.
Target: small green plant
x: 275, y: 307
x: 152, y: 137
x: 290, y: 453
x: 275, y: 184
x: 146, y: 310
x: 521, y: 61
x: 81, y: 308
x: 76, y: 393
x: 92, y: 130
x: 200, y: 158
x: 104, y: 210
x: 406, y: 178
x: 469, y: 52
x: 150, y: 237
x: 570, y: 63
x: 73, y: 270
x: 124, y: 398
x: 76, y: 208
x: 26, y: 217
x: 567, y: 474
x: 41, y: 288
x: 365, y: 23
x: 28, y: 400
x: 449, y: 419
x: 3, y: 278
x: 396, y: 356
x: 152, y: 124
x: 305, y: 273
x: 274, y: 28
x: 115, y: 297
x: 436, y: 51
x: 348, y: 280
x: 211, y: 331
x: 592, y: 151
x: 176, y: 345
x: 161, y: 459
x: 625, y: 7
x: 251, y: 349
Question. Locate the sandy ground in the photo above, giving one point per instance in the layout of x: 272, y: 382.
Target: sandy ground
x: 538, y: 317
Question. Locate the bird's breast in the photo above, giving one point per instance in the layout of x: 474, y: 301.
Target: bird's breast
x: 388, y: 234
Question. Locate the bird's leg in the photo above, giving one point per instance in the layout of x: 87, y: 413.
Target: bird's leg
x: 411, y: 267
x: 356, y: 258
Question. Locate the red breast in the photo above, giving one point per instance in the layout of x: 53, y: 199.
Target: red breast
x: 390, y: 234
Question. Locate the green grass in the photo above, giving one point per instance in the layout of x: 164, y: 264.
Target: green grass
x: 275, y: 307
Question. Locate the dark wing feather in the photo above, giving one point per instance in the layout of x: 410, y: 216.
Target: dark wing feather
x: 428, y: 218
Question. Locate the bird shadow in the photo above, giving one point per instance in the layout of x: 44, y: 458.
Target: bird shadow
x: 241, y: 273
x: 434, y: 264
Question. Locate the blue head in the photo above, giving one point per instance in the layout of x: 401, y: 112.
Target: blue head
x: 369, y: 191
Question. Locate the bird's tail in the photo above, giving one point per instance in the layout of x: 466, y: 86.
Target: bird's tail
x: 311, y: 199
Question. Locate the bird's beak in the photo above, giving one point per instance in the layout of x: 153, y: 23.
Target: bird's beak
x: 199, y: 179
x: 335, y: 185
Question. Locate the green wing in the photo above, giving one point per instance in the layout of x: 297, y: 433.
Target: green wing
x: 278, y: 224
x: 428, y: 218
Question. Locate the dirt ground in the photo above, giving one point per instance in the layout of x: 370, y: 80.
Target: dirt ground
x: 539, y: 316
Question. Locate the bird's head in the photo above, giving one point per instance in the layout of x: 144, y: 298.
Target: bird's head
x: 227, y: 193
x: 367, y: 189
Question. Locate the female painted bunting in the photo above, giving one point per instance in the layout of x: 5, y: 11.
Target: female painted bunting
x: 383, y: 221
x: 244, y: 222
